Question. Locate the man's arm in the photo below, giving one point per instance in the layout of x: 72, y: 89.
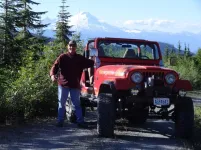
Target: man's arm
x: 54, y: 69
x: 87, y: 63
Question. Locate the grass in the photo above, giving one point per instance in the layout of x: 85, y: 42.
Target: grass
x: 196, y: 140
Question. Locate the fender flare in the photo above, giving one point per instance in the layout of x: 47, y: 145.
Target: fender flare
x: 182, y: 84
x: 107, y: 87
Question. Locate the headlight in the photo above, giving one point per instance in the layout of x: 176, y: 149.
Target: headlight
x: 170, y: 78
x: 136, y: 77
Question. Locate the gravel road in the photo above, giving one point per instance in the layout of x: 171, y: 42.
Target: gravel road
x: 42, y: 134
x: 196, y: 101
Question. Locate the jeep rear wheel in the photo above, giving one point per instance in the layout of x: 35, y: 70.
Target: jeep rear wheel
x: 139, y: 115
x: 106, y: 115
x: 184, y: 118
x: 70, y: 112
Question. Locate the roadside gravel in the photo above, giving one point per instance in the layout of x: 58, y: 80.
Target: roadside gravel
x: 42, y: 134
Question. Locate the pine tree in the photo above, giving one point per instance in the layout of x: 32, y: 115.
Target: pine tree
x: 172, y: 51
x: 198, y: 59
x: 166, y: 52
x: 179, y: 47
x: 80, y: 43
x: 27, y: 18
x: 7, y: 31
x: 63, y: 32
x: 29, y: 21
x: 185, y: 49
x: 188, y: 51
x: 39, y: 31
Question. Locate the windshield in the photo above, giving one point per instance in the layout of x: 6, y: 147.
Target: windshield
x: 132, y: 49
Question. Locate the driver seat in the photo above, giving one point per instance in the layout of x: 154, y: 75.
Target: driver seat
x: 129, y: 53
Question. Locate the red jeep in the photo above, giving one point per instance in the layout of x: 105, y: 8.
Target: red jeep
x: 131, y: 82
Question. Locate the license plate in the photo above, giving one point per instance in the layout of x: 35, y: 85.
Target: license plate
x: 161, y: 101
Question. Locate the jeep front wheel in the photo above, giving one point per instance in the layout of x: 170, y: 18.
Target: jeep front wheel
x: 184, y: 118
x: 106, y: 115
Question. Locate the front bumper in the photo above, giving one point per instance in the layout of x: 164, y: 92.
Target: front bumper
x: 147, y: 95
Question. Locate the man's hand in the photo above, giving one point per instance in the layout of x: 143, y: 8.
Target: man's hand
x: 53, y: 78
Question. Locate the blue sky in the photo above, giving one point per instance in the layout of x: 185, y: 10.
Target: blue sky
x: 170, y: 15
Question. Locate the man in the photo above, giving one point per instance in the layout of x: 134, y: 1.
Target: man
x: 69, y: 67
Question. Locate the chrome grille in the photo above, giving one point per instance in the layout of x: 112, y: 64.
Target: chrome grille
x: 150, y: 74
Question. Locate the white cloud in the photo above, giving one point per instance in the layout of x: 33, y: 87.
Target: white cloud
x: 162, y: 25
x: 152, y: 22
x: 164, y: 22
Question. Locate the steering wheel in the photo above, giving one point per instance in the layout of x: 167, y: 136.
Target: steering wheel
x: 144, y: 56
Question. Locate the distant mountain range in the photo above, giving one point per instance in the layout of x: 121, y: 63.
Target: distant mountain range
x: 89, y: 27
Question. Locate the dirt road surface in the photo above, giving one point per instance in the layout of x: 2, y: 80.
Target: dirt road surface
x: 42, y: 134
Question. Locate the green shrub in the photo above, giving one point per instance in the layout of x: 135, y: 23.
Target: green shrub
x: 187, y: 70
x: 196, y: 141
x: 7, y: 76
x: 33, y: 93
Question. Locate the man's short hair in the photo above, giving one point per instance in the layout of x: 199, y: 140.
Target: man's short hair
x: 73, y: 43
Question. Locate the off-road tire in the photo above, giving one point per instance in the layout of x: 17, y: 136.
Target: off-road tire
x: 70, y: 112
x: 106, y: 115
x: 139, y: 116
x: 184, y: 118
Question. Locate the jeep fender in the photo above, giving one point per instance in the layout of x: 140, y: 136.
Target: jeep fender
x: 183, y: 84
x: 107, y: 87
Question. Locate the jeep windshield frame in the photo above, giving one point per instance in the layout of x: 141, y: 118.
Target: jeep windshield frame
x: 128, y: 49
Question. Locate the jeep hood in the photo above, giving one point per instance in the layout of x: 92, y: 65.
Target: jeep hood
x: 123, y: 70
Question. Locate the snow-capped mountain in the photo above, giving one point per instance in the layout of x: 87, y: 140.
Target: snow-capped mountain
x: 89, y: 26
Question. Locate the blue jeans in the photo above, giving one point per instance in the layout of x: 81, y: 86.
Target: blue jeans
x: 75, y: 98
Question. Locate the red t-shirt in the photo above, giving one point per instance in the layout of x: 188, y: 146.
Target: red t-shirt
x: 71, y: 68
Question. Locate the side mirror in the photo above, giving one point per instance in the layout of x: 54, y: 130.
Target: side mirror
x: 93, y: 52
x: 173, y: 61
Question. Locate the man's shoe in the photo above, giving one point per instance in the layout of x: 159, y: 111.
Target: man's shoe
x: 59, y: 124
x: 82, y: 125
